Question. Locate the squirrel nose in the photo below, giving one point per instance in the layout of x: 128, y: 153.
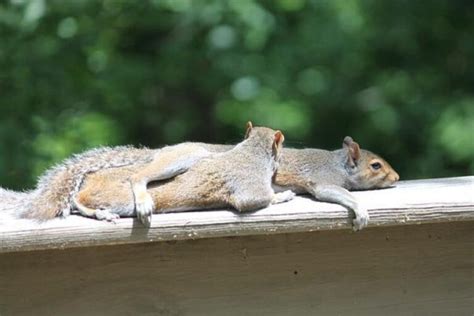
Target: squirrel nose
x: 396, y: 177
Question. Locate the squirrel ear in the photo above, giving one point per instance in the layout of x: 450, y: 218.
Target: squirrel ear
x: 347, y: 141
x: 353, y: 150
x: 277, y: 143
x: 279, y: 138
x: 249, y: 128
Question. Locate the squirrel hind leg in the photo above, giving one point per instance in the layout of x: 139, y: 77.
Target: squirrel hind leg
x: 100, y: 214
x: 249, y: 202
x: 79, y: 206
x: 106, y: 215
x: 281, y: 197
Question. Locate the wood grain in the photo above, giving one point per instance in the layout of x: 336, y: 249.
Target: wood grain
x: 410, y: 202
x: 401, y: 270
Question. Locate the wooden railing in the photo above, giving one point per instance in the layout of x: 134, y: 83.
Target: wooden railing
x: 410, y: 202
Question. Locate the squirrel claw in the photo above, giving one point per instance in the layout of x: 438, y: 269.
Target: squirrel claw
x: 361, y: 220
x: 284, y: 196
x: 106, y: 215
x: 145, y: 209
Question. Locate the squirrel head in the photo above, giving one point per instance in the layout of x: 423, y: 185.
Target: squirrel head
x: 366, y: 169
x: 266, y: 136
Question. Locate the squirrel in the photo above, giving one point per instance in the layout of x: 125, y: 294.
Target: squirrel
x: 240, y: 177
x: 327, y: 175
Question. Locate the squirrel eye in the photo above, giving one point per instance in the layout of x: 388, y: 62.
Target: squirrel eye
x: 376, y: 165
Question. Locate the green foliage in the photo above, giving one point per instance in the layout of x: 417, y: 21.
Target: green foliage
x: 395, y: 75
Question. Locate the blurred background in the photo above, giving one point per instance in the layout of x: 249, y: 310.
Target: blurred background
x: 398, y: 76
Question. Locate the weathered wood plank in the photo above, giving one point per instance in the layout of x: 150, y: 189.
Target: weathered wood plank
x: 400, y: 270
x: 410, y: 202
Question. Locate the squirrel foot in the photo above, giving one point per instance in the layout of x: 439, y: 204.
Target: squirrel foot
x: 144, y: 209
x: 284, y: 196
x: 361, y: 220
x: 106, y: 215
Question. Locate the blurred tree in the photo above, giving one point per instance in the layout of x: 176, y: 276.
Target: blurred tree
x: 395, y: 75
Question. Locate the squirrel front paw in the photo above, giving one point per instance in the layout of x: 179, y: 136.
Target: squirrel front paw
x: 284, y: 196
x: 106, y: 215
x: 361, y: 220
x: 144, y: 207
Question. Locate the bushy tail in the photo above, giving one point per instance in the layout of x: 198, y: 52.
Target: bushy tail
x: 56, y: 188
x: 14, y: 203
